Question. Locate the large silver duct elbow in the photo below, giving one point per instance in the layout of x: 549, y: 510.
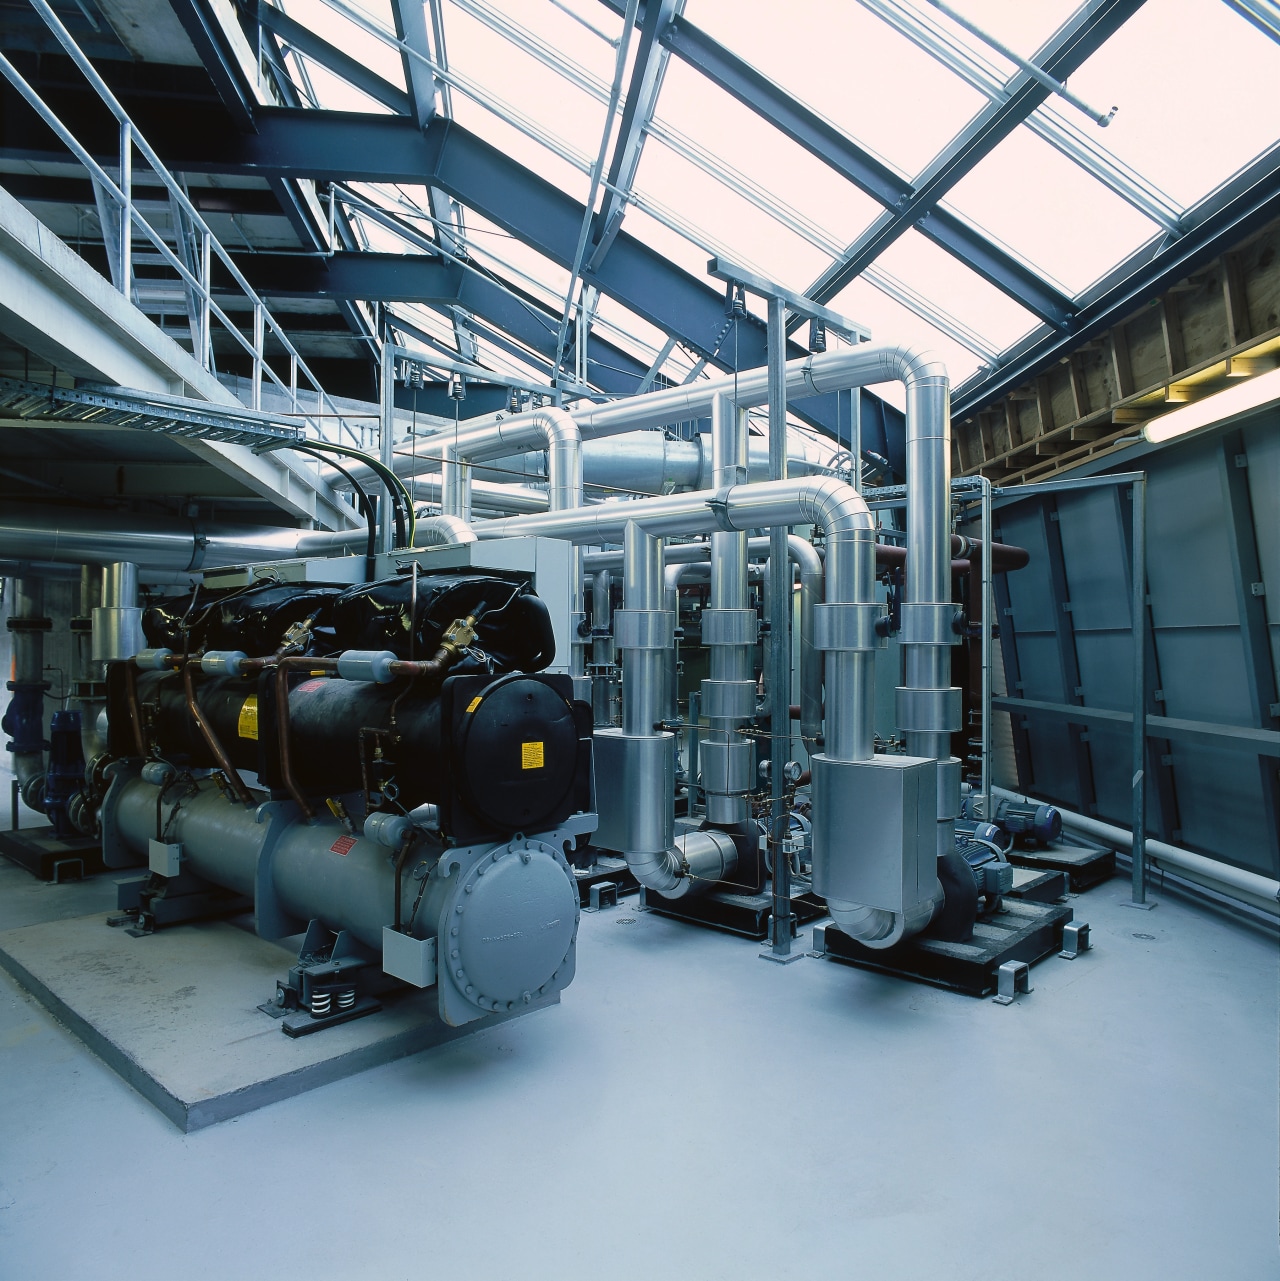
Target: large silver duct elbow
x: 695, y: 861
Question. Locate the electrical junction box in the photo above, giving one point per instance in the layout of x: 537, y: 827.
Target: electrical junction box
x: 164, y: 859
x: 407, y: 958
x: 875, y: 830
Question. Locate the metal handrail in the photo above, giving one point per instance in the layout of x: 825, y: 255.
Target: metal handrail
x: 201, y: 285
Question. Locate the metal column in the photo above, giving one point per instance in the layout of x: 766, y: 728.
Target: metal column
x: 780, y: 923
x: 1139, y: 784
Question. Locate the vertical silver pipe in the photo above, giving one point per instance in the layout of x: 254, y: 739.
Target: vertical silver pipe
x: 728, y: 629
x: 812, y: 579
x: 386, y: 439
x: 642, y: 674
x: 780, y: 638
x: 27, y: 627
x: 117, y: 622
x: 87, y: 688
x: 988, y: 621
x: 603, y: 684
x: 1138, y: 784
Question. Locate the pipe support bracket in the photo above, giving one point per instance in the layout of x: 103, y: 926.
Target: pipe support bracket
x: 643, y: 628
x: 928, y: 711
x: 848, y: 627
x: 729, y: 626
x: 928, y: 624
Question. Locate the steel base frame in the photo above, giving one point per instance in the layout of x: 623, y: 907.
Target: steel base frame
x: 1025, y: 932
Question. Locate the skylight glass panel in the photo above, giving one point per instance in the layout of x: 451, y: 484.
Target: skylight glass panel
x: 584, y: 36
x: 537, y: 92
x: 1198, y: 89
x: 346, y: 34
x: 945, y: 281
x: 662, y: 240
x: 1023, y: 27
x: 516, y: 262
x: 738, y: 138
x: 518, y: 146
x: 850, y: 67
x: 332, y: 92
x: 747, y: 234
x: 1049, y: 211
x: 891, y: 322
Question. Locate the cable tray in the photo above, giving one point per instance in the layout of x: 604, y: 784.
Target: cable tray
x: 142, y: 411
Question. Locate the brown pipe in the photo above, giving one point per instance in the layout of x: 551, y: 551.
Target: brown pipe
x: 283, y: 667
x: 966, y: 552
x: 211, y: 739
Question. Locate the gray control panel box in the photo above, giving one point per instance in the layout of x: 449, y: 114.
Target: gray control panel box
x: 875, y: 830
x: 409, y: 959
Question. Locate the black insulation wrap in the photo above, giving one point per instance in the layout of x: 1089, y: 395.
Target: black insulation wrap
x: 252, y: 619
x: 515, y: 630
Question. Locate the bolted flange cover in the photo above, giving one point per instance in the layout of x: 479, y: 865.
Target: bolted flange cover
x: 507, y: 931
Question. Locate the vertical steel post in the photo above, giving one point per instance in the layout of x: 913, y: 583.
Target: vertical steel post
x: 780, y: 639
x: 126, y: 213
x: 1139, y: 691
x: 988, y: 618
x: 855, y: 435
x: 206, y: 266
x: 259, y: 339
x: 386, y: 435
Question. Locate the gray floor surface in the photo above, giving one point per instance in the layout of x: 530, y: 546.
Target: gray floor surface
x: 691, y: 1111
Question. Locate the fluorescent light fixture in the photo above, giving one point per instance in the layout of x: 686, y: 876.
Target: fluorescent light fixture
x: 1253, y: 393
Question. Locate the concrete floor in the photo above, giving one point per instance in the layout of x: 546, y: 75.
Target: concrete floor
x: 691, y: 1111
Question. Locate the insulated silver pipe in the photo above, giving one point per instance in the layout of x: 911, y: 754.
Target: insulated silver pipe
x: 27, y: 624
x: 729, y: 630
x: 603, y: 681
x: 642, y: 670
x: 87, y: 687
x: 117, y: 622
x: 431, y: 531
x: 812, y: 577
x: 551, y: 429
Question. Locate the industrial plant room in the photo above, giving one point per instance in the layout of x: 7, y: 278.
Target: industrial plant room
x: 641, y: 639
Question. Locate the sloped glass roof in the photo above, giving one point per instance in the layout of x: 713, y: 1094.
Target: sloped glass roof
x: 1041, y: 202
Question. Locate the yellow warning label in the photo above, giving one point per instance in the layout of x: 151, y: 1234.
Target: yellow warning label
x: 247, y: 721
x: 475, y: 702
x: 532, y: 756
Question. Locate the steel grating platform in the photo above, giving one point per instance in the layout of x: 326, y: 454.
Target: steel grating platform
x: 142, y: 411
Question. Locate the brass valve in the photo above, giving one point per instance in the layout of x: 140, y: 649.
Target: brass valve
x: 458, y: 635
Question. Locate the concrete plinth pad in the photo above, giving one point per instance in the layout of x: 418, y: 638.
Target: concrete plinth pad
x: 175, y: 1014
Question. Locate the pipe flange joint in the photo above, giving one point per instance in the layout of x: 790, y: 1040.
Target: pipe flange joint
x: 929, y: 711
x: 644, y: 628
x: 728, y: 700
x: 719, y: 508
x: 847, y: 626
x: 152, y: 660
x: 223, y: 662
x: 928, y: 624
x: 729, y: 626
x: 372, y: 666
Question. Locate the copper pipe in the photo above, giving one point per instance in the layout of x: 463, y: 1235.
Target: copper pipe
x: 282, y: 722
x: 211, y: 739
